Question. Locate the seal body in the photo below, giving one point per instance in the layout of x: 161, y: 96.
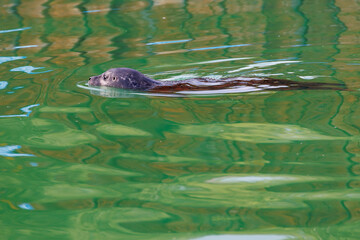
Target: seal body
x: 128, y: 78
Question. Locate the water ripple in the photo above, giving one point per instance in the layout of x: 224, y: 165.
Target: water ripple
x: 100, y: 10
x: 246, y: 237
x: 26, y: 46
x: 14, y: 30
x: 220, y: 60
x: 7, y: 151
x: 201, y: 49
x: 219, y: 47
x: 169, y: 42
x: 262, y: 65
x: 26, y: 110
x: 29, y: 69
x: 8, y: 59
x: 3, y: 84
x: 251, y: 179
x: 258, y: 132
x: 26, y: 206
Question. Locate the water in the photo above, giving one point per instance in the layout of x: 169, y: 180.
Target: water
x: 89, y: 163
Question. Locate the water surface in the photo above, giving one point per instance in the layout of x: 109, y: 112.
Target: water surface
x: 89, y: 163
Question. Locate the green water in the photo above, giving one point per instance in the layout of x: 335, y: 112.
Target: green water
x: 81, y: 163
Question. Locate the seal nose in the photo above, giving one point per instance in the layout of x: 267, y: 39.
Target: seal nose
x: 89, y: 78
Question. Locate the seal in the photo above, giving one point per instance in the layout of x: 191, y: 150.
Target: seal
x: 128, y: 78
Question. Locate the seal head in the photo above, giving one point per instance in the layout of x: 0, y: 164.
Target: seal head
x: 126, y: 78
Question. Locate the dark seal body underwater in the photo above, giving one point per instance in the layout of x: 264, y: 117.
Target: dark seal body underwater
x: 127, y: 78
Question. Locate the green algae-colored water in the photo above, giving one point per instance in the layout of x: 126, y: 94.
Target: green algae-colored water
x: 91, y: 163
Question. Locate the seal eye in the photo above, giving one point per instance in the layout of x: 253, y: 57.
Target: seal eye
x: 105, y: 77
x: 114, y: 78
